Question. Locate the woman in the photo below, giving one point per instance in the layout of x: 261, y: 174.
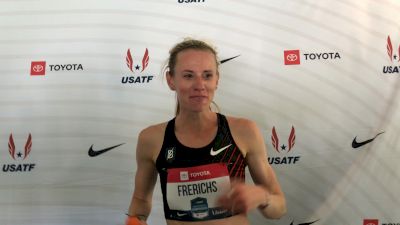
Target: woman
x: 201, y: 155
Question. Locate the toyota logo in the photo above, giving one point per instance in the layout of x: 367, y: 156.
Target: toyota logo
x: 291, y: 57
x: 37, y: 68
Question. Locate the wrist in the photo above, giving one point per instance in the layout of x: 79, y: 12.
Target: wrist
x: 266, y: 201
x: 132, y: 220
x: 263, y: 206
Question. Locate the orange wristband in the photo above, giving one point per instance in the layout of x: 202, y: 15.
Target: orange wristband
x: 132, y: 220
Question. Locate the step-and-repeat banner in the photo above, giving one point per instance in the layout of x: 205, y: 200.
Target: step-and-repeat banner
x: 320, y: 78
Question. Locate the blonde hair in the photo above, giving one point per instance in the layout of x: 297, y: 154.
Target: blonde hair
x: 189, y: 43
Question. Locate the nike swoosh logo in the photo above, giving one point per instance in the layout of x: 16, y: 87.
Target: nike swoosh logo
x: 181, y: 214
x: 214, y: 153
x: 309, y: 223
x: 93, y: 153
x: 356, y: 144
x: 226, y: 60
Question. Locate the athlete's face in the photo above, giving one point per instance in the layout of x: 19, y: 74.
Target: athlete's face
x: 195, y: 79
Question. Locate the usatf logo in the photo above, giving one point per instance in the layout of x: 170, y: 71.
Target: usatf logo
x: 19, y: 156
x: 275, y: 140
x: 130, y: 64
x: 394, y: 57
x: 137, y: 68
x: 283, y: 148
x: 292, y: 57
x: 38, y: 68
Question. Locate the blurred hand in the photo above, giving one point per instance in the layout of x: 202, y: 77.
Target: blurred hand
x: 243, y: 198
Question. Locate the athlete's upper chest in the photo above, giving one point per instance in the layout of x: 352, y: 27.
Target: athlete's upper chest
x: 219, y: 147
x: 196, y: 140
x: 195, y: 133
x: 212, y: 152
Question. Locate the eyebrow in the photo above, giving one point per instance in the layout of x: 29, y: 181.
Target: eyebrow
x: 193, y: 71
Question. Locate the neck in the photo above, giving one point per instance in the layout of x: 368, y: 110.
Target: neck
x: 195, y: 122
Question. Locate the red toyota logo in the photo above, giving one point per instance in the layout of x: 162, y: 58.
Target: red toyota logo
x: 292, y: 57
x: 38, y: 68
x: 371, y: 222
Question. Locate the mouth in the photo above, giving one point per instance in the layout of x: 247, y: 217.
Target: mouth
x: 198, y: 97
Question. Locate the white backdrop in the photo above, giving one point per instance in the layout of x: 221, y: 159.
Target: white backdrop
x: 343, y: 84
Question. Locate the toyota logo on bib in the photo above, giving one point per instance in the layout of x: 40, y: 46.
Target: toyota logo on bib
x: 184, y: 175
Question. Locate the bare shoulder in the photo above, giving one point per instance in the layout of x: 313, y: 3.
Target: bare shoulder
x: 151, y: 133
x: 242, y: 126
x: 245, y: 132
x: 150, y: 140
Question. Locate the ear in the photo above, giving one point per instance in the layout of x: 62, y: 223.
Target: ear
x: 170, y: 81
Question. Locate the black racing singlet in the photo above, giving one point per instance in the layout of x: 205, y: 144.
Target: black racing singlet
x: 192, y: 179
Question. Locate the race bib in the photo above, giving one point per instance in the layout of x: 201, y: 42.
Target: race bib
x: 192, y: 192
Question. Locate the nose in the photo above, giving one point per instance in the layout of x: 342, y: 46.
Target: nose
x: 199, y: 84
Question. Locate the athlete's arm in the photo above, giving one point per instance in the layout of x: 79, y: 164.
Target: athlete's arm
x: 273, y: 205
x: 146, y: 176
x: 266, y: 194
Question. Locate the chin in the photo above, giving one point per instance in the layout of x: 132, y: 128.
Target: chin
x: 200, y: 109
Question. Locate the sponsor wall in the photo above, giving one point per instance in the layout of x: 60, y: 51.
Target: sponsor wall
x: 320, y: 78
